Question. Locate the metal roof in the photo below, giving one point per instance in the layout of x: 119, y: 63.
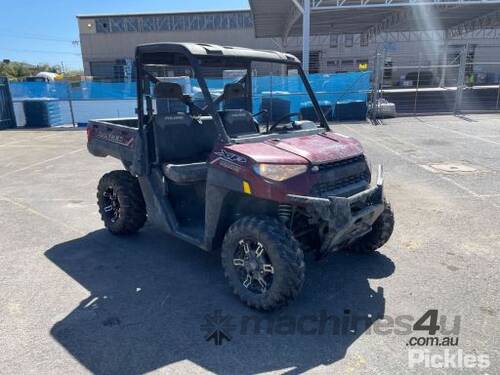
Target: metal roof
x: 98, y: 15
x: 205, y: 49
x: 281, y: 18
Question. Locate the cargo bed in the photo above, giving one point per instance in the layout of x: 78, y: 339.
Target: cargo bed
x: 113, y: 137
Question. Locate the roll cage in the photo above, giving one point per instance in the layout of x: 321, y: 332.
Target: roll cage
x: 194, y: 55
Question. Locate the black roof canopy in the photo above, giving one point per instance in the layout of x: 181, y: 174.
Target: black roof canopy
x: 148, y: 52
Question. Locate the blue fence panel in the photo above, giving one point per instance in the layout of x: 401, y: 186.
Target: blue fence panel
x: 38, y: 90
x: 104, y: 98
x: 332, y: 87
x: 7, y: 114
x: 86, y: 90
x: 103, y: 90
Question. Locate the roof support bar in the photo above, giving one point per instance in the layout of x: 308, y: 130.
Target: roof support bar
x: 387, y: 23
x: 299, y: 7
x: 490, y: 20
x: 292, y: 17
x: 398, y: 3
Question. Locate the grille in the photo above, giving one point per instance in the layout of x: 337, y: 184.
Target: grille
x: 342, y: 178
x: 341, y: 163
x: 328, y: 188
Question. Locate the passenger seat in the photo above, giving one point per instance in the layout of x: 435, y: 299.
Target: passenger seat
x: 180, y: 145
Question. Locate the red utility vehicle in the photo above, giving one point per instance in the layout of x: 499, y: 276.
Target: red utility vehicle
x: 262, y: 187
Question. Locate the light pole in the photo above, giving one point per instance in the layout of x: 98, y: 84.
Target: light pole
x: 306, y: 25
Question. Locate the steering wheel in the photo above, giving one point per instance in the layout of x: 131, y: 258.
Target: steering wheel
x: 193, y: 108
x: 259, y: 113
x: 289, y: 114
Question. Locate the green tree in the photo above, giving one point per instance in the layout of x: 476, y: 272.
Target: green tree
x: 15, y: 70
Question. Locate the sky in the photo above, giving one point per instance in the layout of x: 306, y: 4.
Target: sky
x: 43, y: 31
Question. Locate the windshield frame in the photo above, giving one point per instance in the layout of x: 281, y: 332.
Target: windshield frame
x: 247, y: 62
x: 196, y: 63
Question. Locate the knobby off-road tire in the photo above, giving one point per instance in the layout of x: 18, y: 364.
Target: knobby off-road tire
x: 281, y: 254
x: 121, y: 203
x: 381, y: 232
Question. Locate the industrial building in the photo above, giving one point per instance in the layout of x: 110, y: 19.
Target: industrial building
x: 344, y: 37
x: 108, y: 41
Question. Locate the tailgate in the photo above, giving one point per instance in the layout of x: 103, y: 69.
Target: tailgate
x: 107, y: 139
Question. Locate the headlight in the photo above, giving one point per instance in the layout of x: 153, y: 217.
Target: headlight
x: 369, y: 166
x: 368, y: 163
x: 279, y: 172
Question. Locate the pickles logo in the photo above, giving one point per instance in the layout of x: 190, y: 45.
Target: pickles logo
x: 448, y: 359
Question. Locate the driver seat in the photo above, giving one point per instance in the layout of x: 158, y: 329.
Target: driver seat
x: 237, y: 121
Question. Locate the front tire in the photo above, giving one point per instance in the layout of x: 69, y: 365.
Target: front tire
x: 262, y: 262
x: 381, y: 231
x: 121, y: 203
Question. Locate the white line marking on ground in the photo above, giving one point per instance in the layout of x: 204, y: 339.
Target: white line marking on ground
x: 10, y: 143
x: 474, y: 194
x: 462, y: 134
x: 23, y: 140
x: 37, y: 146
x: 39, y: 214
x: 69, y: 200
x: 43, y: 162
x: 417, y: 147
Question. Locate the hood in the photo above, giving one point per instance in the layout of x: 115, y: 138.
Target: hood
x: 317, y: 149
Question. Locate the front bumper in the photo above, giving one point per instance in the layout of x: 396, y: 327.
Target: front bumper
x: 347, y: 218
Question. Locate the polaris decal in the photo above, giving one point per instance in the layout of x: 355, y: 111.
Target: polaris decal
x: 226, y: 155
x: 124, y: 140
x: 173, y: 118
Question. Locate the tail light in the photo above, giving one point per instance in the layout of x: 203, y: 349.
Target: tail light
x: 89, y: 132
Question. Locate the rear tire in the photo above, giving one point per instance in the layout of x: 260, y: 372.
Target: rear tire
x: 272, y: 279
x: 381, y: 232
x: 121, y: 203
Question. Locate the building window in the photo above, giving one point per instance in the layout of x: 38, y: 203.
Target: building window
x: 334, y: 40
x: 331, y: 66
x: 347, y: 66
x: 348, y: 40
x: 363, y: 40
x: 102, y: 70
x: 102, y: 25
x: 175, y: 22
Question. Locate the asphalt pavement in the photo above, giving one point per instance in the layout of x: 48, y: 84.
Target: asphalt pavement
x: 76, y: 299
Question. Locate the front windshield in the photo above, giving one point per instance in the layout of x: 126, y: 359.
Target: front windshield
x: 251, y: 98
x: 273, y: 93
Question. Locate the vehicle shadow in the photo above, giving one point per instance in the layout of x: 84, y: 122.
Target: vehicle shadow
x: 150, y: 295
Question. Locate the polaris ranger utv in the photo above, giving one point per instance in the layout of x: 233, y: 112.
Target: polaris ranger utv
x: 220, y: 160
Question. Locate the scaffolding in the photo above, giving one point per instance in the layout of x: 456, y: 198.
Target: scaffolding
x: 372, y: 18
